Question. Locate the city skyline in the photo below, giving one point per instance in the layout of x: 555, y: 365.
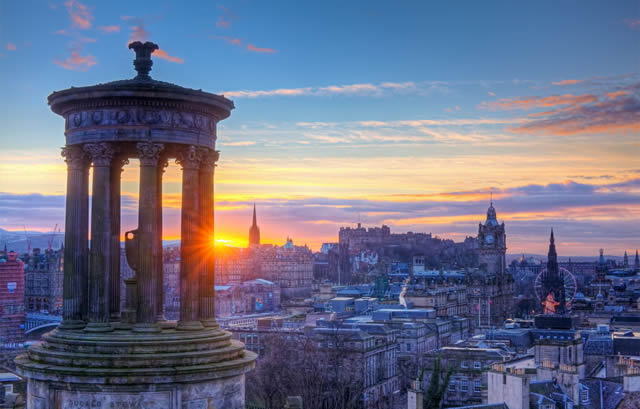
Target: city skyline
x: 338, y: 124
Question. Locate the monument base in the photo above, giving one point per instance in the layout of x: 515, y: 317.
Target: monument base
x: 124, y: 369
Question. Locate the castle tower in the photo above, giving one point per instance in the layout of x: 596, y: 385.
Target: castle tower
x: 254, y: 231
x: 492, y: 242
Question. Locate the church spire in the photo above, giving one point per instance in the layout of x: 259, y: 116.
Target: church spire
x: 255, y: 223
x: 254, y: 231
x: 552, y: 248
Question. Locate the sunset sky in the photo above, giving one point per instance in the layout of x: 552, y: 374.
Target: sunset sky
x: 406, y: 113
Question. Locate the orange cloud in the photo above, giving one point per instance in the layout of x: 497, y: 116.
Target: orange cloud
x: 11, y: 47
x: 77, y: 62
x: 79, y: 14
x: 540, y: 102
x: 61, y: 32
x: 616, y: 94
x: 567, y: 82
x: 110, y: 29
x: 493, y: 94
x: 163, y: 54
x: 253, y: 48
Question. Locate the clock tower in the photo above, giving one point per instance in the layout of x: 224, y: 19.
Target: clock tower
x: 492, y: 244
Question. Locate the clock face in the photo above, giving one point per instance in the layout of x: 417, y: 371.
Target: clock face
x: 488, y: 238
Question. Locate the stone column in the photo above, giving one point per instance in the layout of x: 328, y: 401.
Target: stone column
x: 207, y: 255
x: 189, y: 238
x: 100, y: 254
x: 114, y: 302
x: 147, y: 286
x: 76, y: 265
x: 160, y: 263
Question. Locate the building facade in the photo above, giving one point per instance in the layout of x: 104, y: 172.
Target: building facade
x: 43, y: 281
x: 12, y: 314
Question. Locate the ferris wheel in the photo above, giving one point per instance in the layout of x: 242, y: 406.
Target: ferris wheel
x: 570, y: 285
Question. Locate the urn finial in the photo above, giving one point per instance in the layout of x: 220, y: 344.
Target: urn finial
x: 143, y: 62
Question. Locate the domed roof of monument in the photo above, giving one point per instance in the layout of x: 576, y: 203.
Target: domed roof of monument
x: 141, y: 86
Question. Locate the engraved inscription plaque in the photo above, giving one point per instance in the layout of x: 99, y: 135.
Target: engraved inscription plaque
x: 114, y: 400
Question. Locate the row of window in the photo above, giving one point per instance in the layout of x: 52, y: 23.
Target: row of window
x: 463, y: 386
x: 476, y: 365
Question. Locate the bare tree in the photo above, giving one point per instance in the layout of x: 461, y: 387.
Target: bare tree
x: 327, y: 374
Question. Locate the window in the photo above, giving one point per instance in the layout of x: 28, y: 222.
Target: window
x: 464, y: 386
x: 477, y: 365
x: 584, y: 395
x: 464, y: 364
x: 477, y: 386
x: 452, y: 386
x: 408, y: 347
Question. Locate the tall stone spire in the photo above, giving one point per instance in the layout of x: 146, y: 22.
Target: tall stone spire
x: 636, y: 262
x: 553, y: 278
x: 254, y: 231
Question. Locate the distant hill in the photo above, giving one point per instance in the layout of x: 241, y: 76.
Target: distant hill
x: 16, y: 240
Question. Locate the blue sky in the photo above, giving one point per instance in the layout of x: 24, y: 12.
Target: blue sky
x: 367, y: 100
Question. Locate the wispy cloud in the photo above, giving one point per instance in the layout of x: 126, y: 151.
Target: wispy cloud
x: 79, y: 14
x: 568, y: 82
x: 76, y: 61
x: 255, y: 49
x: 163, y: 54
x: 11, y: 46
x: 349, y: 89
x: 527, y: 103
x: 239, y: 43
x: 110, y: 29
x: 618, y: 114
x: 238, y: 143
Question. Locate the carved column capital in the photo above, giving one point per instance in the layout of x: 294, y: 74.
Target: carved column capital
x: 74, y: 156
x: 208, y: 158
x: 188, y: 158
x: 149, y: 153
x: 101, y: 153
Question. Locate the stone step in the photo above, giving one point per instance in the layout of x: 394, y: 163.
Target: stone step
x: 143, y: 360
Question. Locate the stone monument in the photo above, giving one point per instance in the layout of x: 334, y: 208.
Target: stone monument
x: 101, y: 357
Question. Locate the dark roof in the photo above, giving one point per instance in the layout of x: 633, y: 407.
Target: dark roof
x: 603, y: 394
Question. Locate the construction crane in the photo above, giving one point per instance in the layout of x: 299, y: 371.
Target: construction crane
x: 53, y: 236
x: 28, y: 240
